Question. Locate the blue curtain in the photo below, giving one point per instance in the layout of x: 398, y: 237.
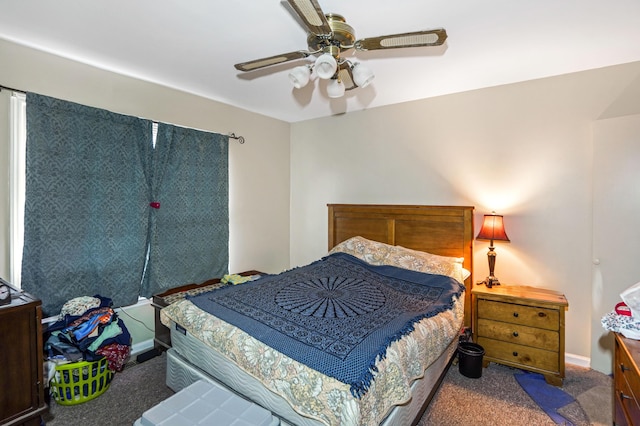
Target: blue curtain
x: 86, y: 210
x: 189, y: 226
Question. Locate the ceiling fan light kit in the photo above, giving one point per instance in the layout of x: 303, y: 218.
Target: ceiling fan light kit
x: 329, y: 36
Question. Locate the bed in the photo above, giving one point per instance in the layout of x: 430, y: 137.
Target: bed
x: 364, y: 241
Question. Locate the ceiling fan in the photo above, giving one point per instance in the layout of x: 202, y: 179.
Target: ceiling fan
x: 329, y: 36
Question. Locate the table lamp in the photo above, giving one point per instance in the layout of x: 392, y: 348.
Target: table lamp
x: 492, y: 230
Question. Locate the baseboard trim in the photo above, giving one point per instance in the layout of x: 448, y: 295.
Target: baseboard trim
x: 141, y: 347
x: 577, y: 360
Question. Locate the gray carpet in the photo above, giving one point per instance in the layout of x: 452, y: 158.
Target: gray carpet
x: 133, y: 391
x: 496, y: 398
x: 493, y: 399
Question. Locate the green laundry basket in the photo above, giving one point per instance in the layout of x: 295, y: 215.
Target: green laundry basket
x: 79, y: 382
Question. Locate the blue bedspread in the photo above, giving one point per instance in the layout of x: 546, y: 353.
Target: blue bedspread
x: 337, y: 315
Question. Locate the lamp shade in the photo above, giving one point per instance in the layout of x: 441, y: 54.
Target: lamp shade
x: 492, y: 229
x: 335, y: 88
x: 362, y: 75
x: 299, y: 76
x: 325, y: 66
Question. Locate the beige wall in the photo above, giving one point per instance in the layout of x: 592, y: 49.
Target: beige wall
x: 259, y: 169
x: 616, y: 222
x: 524, y: 150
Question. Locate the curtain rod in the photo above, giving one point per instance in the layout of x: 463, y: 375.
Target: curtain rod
x: 240, y: 139
x: 11, y: 88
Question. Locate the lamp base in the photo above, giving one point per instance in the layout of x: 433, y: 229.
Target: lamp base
x: 490, y: 281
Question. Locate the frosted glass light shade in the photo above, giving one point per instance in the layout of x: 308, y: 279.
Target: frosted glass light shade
x: 325, y: 66
x: 335, y: 89
x: 299, y: 76
x: 362, y: 75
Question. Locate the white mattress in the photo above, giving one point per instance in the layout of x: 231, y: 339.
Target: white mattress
x: 210, y: 365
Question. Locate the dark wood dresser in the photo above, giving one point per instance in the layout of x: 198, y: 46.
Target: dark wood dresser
x: 626, y: 381
x: 522, y: 327
x: 21, y: 372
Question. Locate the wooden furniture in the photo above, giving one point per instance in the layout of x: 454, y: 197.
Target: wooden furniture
x: 162, y: 335
x: 442, y: 230
x: 521, y: 327
x: 21, y: 376
x: 626, y: 381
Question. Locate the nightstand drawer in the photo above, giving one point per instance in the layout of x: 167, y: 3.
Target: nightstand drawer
x: 519, y: 354
x: 519, y: 314
x: 519, y: 334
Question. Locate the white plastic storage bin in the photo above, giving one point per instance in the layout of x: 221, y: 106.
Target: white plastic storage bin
x: 204, y: 403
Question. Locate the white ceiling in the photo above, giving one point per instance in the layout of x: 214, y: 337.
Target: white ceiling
x: 192, y: 45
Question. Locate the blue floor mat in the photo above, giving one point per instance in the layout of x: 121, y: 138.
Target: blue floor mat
x: 548, y: 397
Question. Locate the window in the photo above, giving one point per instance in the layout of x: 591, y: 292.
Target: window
x: 17, y: 173
x: 75, y: 160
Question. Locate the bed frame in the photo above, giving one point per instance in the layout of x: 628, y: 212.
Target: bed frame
x: 442, y: 230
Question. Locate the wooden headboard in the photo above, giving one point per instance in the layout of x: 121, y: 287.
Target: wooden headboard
x: 442, y: 230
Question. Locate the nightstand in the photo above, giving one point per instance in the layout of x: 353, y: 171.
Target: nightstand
x: 522, y: 327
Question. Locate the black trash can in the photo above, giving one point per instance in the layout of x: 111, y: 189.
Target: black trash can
x: 470, y: 359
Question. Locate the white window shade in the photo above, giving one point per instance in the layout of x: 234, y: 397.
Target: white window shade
x: 18, y: 141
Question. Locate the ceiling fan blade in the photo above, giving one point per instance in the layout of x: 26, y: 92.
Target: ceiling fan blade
x: 312, y: 15
x: 272, y: 60
x: 346, y: 76
x: 396, y: 41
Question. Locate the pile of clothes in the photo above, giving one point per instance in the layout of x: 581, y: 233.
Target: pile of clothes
x: 88, y: 329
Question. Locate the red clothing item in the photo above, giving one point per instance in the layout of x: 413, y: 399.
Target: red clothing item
x: 117, y: 355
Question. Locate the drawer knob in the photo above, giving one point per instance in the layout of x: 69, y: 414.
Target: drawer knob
x: 623, y: 396
x: 515, y: 314
x: 623, y: 368
x: 542, y: 314
x: 515, y: 353
x: 515, y: 334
